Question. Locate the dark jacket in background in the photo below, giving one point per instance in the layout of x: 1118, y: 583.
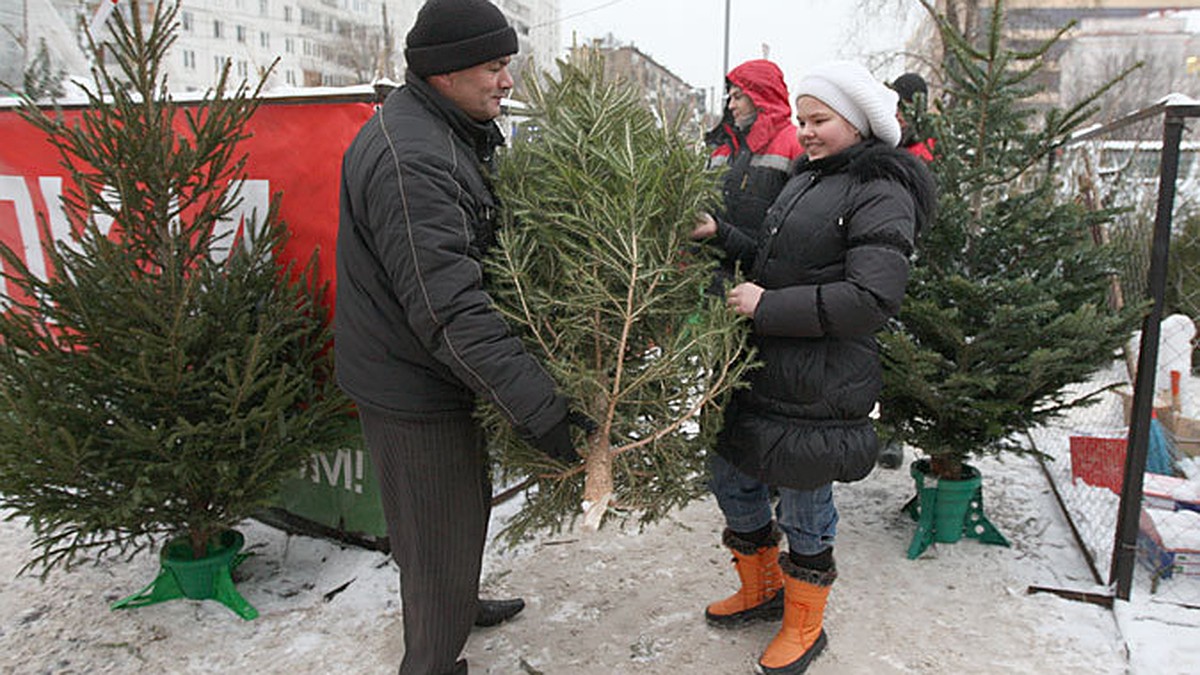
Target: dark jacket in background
x: 758, y: 159
x: 415, y: 332
x: 834, y: 264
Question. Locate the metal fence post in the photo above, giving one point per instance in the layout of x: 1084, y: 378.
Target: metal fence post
x: 1129, y: 515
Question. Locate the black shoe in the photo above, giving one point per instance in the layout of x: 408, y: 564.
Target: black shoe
x: 891, y: 456
x: 493, y: 612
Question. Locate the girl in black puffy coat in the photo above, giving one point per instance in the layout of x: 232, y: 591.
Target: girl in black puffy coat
x: 829, y: 274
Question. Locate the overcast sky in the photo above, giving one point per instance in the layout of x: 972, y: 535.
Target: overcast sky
x: 687, y: 36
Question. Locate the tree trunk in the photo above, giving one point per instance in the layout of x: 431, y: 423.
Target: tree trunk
x: 198, y: 538
x: 598, y: 485
x: 946, y: 467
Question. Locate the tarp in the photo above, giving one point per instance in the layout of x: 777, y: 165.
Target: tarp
x: 295, y: 149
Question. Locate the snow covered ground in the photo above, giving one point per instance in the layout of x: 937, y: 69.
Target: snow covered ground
x: 625, y: 602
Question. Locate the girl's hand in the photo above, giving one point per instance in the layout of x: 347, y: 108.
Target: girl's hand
x: 705, y: 227
x: 744, y: 298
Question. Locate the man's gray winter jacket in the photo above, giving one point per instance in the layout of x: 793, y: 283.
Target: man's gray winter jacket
x: 415, y: 331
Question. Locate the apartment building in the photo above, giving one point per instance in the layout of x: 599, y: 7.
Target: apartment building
x: 536, y: 23
x: 1108, y: 36
x: 661, y: 87
x: 315, y: 42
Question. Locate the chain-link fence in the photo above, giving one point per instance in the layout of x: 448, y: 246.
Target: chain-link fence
x: 1140, y: 529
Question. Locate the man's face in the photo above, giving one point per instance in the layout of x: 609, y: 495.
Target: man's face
x: 741, y: 105
x: 478, y: 89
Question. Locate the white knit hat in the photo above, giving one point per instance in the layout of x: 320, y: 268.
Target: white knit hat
x: 854, y: 93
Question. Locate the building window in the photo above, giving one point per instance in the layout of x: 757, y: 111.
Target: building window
x: 287, y: 13
x: 291, y: 77
x: 289, y: 45
x: 218, y: 64
x: 185, y: 20
x: 217, y: 28
x: 241, y: 33
x: 264, y: 8
x: 189, y: 59
x: 243, y: 69
x: 264, y: 39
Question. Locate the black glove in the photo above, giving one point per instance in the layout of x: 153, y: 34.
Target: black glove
x: 557, y: 444
x: 584, y: 422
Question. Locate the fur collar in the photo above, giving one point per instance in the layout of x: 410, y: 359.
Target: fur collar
x: 875, y: 160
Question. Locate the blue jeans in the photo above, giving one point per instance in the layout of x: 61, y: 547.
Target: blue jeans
x: 807, y: 517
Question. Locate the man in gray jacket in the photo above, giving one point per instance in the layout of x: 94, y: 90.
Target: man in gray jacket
x: 417, y: 339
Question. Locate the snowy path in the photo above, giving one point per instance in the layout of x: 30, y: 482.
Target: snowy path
x: 623, y: 602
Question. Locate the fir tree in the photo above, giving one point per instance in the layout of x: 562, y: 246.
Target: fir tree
x: 41, y: 79
x: 595, y: 271
x: 165, y: 378
x: 1007, y: 297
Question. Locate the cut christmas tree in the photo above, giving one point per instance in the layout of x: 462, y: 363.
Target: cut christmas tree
x: 595, y: 271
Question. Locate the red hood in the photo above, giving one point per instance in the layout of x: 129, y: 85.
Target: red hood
x: 762, y: 81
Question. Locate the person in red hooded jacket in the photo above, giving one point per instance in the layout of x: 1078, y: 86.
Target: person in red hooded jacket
x: 756, y: 141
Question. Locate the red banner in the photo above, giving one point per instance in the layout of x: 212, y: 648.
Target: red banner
x: 295, y: 149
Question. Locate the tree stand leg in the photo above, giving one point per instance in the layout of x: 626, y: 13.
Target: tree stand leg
x: 977, y: 526
x: 921, y: 508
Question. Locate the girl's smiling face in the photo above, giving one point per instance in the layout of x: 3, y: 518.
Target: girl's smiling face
x: 822, y: 131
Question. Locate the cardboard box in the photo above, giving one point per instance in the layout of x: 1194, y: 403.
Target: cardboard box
x: 1170, y: 493
x: 1184, y: 431
x: 1161, y: 405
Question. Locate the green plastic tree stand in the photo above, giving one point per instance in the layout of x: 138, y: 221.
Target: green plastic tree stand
x: 948, y: 510
x: 207, y: 578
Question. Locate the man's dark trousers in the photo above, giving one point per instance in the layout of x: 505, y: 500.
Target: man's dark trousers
x: 436, y: 497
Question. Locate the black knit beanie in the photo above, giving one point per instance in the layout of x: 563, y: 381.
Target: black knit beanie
x: 451, y: 35
x: 909, y: 85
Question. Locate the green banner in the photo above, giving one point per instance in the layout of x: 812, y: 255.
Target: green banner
x: 337, y: 493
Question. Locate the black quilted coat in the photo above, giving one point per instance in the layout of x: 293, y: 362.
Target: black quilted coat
x: 834, y: 266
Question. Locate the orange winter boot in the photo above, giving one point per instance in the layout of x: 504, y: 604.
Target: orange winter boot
x: 761, y: 596
x: 802, y: 637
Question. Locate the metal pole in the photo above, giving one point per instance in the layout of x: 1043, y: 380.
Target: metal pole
x: 725, y: 65
x: 1129, y: 515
